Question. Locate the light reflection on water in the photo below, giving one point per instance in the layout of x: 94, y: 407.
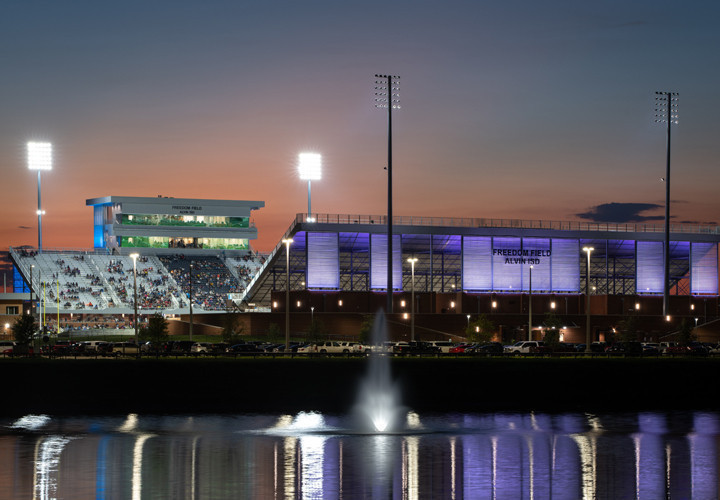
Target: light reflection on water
x: 309, y: 455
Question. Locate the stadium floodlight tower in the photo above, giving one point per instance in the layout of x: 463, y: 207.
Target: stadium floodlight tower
x: 387, y: 95
x: 287, y: 242
x: 39, y: 157
x: 666, y: 111
x: 310, y: 169
x: 134, y: 257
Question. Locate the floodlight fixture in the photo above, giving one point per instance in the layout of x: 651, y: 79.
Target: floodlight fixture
x: 387, y: 96
x: 39, y: 157
x: 310, y: 169
x: 666, y: 111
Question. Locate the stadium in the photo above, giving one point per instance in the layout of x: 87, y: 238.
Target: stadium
x: 516, y: 272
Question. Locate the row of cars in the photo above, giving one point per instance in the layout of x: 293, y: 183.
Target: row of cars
x: 624, y: 348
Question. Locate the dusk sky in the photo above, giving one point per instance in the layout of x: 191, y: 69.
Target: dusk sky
x: 510, y: 109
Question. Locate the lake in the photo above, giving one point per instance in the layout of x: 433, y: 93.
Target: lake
x: 311, y: 455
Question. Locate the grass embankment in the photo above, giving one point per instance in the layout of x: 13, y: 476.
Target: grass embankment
x: 116, y: 386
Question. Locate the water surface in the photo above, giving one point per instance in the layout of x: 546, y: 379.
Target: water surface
x: 310, y: 455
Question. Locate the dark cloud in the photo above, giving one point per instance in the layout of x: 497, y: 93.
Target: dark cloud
x: 24, y: 227
x: 622, y: 212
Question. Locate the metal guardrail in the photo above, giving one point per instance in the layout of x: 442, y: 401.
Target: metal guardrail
x: 506, y: 223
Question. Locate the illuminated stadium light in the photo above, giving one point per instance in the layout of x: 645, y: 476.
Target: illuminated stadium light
x: 387, y: 96
x: 310, y: 169
x: 666, y: 111
x: 39, y: 157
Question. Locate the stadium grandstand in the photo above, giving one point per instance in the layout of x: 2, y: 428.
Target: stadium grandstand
x: 337, y: 264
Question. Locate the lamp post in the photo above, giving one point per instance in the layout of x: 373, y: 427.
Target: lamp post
x: 32, y: 306
x: 312, y: 315
x: 387, y: 95
x: 39, y: 157
x: 412, y: 261
x: 530, y: 304
x: 587, y: 250
x: 287, y: 242
x: 310, y: 168
x: 666, y: 111
x: 191, y: 300
x: 134, y: 257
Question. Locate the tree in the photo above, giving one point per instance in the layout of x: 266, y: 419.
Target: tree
x: 365, y: 336
x: 480, y: 330
x: 627, y: 330
x: 685, y: 334
x: 156, y: 331
x: 232, y: 328
x: 552, y: 326
x: 273, y: 332
x: 316, y: 332
x: 24, y: 328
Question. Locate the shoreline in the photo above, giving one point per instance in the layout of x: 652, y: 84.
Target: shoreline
x: 194, y: 386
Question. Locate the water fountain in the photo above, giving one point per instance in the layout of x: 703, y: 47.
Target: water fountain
x: 378, y: 401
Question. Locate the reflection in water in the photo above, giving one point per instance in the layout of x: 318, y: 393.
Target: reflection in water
x: 309, y: 455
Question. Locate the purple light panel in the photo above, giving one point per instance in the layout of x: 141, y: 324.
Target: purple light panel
x: 477, y: 263
x: 378, y: 262
x: 507, y: 274
x: 565, y: 265
x: 649, y: 267
x: 323, y: 261
x: 704, y: 268
x: 536, y: 253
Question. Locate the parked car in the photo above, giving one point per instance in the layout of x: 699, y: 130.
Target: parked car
x: 327, y: 347
x: 243, y: 349
x: 6, y: 347
x: 125, y: 349
x: 443, y: 345
x: 626, y: 348
x: 524, y: 347
x: 414, y: 347
x: 489, y: 348
x: 460, y: 349
x: 201, y: 348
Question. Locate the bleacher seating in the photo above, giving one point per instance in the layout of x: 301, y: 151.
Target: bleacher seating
x: 89, y: 281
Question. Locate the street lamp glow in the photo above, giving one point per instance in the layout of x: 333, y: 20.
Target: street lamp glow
x: 310, y: 169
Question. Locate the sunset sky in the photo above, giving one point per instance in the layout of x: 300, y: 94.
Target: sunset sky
x: 510, y: 109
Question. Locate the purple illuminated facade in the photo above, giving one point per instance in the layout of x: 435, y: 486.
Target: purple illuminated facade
x: 349, y: 253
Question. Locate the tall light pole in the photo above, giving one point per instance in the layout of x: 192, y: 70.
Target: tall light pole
x: 134, y: 257
x: 412, y: 261
x: 666, y: 111
x: 32, y: 306
x: 530, y: 305
x: 191, y: 300
x: 310, y: 168
x: 287, y: 242
x: 588, y: 340
x: 39, y: 157
x: 387, y: 88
